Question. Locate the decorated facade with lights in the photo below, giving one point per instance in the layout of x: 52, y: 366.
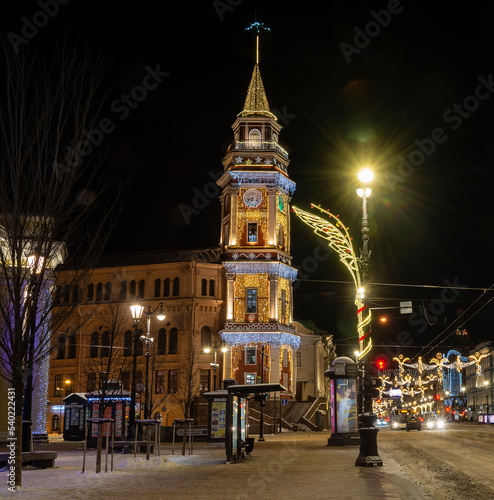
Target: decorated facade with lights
x: 255, y: 241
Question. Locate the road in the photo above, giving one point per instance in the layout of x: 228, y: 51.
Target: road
x: 457, y: 463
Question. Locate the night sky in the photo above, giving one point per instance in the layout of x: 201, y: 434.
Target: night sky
x: 403, y: 86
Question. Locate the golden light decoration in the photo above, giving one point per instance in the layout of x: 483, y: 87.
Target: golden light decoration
x: 336, y: 234
x: 257, y: 214
x: 477, y: 358
x: 440, y: 361
x: 259, y: 281
x: 401, y: 360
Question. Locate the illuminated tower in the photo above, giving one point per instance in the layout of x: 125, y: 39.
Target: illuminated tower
x: 255, y: 240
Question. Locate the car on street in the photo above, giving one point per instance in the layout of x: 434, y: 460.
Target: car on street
x: 435, y: 424
x: 413, y: 422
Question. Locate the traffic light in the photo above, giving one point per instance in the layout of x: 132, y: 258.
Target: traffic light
x: 381, y: 364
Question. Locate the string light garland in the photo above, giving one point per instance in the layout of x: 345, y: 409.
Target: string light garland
x: 339, y: 240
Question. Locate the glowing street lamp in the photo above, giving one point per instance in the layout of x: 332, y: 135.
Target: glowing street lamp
x: 214, y: 365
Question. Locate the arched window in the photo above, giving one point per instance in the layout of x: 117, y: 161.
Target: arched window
x: 132, y: 294
x: 211, y: 288
x: 157, y: 287
x: 72, y: 346
x: 205, y: 336
x: 123, y: 290
x: 255, y: 138
x: 166, y: 287
x: 173, y: 341
x: 204, y: 287
x: 93, y: 350
x: 90, y: 292
x: 138, y: 345
x: 162, y: 341
x: 61, y: 347
x: 275, y: 137
x: 99, y: 291
x: 105, y: 344
x: 75, y: 294
x: 176, y: 286
x: 142, y: 286
x: 127, y: 350
x: 108, y: 291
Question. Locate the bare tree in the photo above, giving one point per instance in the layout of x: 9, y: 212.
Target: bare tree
x: 49, y: 192
x: 188, y: 379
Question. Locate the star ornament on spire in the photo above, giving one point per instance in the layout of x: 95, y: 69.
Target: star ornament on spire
x: 258, y: 29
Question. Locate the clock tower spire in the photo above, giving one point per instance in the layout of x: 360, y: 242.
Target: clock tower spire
x: 255, y: 241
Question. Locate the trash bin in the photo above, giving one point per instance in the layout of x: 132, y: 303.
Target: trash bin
x: 320, y: 419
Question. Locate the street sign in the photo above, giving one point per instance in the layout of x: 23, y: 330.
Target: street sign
x: 284, y: 402
x: 406, y: 307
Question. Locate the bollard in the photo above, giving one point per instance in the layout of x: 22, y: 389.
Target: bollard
x: 369, y: 456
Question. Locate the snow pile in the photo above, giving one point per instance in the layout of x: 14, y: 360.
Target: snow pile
x: 152, y: 463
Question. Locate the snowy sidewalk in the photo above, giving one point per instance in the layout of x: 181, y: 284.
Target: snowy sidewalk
x: 289, y: 466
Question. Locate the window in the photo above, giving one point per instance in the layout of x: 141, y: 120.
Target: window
x: 166, y: 287
x: 250, y: 378
x: 250, y: 355
x: 55, y: 423
x: 93, y: 350
x: 251, y: 294
x: 142, y: 289
x: 90, y: 292
x: 138, y: 344
x: 127, y: 350
x: 252, y: 232
x: 157, y: 287
x: 69, y: 388
x: 108, y: 291
x: 105, y: 344
x: 173, y: 341
x: 204, y: 287
x: 57, y: 388
x: 61, y: 347
x: 75, y: 294
x: 204, y: 381
x: 160, y: 382
x: 66, y: 294
x: 172, y: 381
x: 99, y: 291
x: 91, y: 382
x: 226, y: 239
x: 162, y: 341
x: 285, y: 358
x: 125, y: 377
x: 58, y: 294
x: 255, y: 138
x: 299, y: 359
x: 72, y: 347
x: 211, y: 288
x: 176, y: 286
x: 283, y: 305
x: 132, y: 294
x: 123, y: 290
x: 281, y: 241
x: 205, y: 336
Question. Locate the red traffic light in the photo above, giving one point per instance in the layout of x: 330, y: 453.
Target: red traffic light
x: 381, y: 364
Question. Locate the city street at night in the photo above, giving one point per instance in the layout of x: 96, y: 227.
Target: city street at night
x: 451, y: 464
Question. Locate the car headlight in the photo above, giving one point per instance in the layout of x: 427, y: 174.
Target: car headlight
x: 440, y: 424
x: 395, y: 424
x: 430, y: 425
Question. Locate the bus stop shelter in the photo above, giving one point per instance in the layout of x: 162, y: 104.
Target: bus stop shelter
x: 237, y: 415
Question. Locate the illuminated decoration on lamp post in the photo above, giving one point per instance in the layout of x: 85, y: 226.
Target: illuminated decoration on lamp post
x: 339, y: 240
x: 214, y: 365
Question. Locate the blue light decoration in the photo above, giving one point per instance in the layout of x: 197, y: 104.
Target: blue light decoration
x: 452, y: 379
x: 271, y: 338
x: 274, y: 269
x: 42, y: 371
x: 269, y: 179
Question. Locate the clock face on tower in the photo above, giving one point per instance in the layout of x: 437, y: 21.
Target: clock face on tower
x: 252, y: 197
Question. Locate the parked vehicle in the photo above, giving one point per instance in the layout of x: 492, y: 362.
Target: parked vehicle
x: 413, y: 422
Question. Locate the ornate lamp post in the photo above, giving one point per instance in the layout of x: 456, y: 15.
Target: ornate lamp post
x: 214, y: 365
x: 136, y: 311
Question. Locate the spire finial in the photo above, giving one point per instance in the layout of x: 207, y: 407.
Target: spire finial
x: 258, y: 29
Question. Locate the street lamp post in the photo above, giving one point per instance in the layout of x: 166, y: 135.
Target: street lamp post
x: 486, y: 384
x: 214, y: 365
x: 136, y: 311
x: 67, y: 383
x: 148, y: 340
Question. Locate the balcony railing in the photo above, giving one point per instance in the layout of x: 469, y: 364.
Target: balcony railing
x: 241, y: 145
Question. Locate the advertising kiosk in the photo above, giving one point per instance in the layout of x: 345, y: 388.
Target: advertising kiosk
x: 342, y: 376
